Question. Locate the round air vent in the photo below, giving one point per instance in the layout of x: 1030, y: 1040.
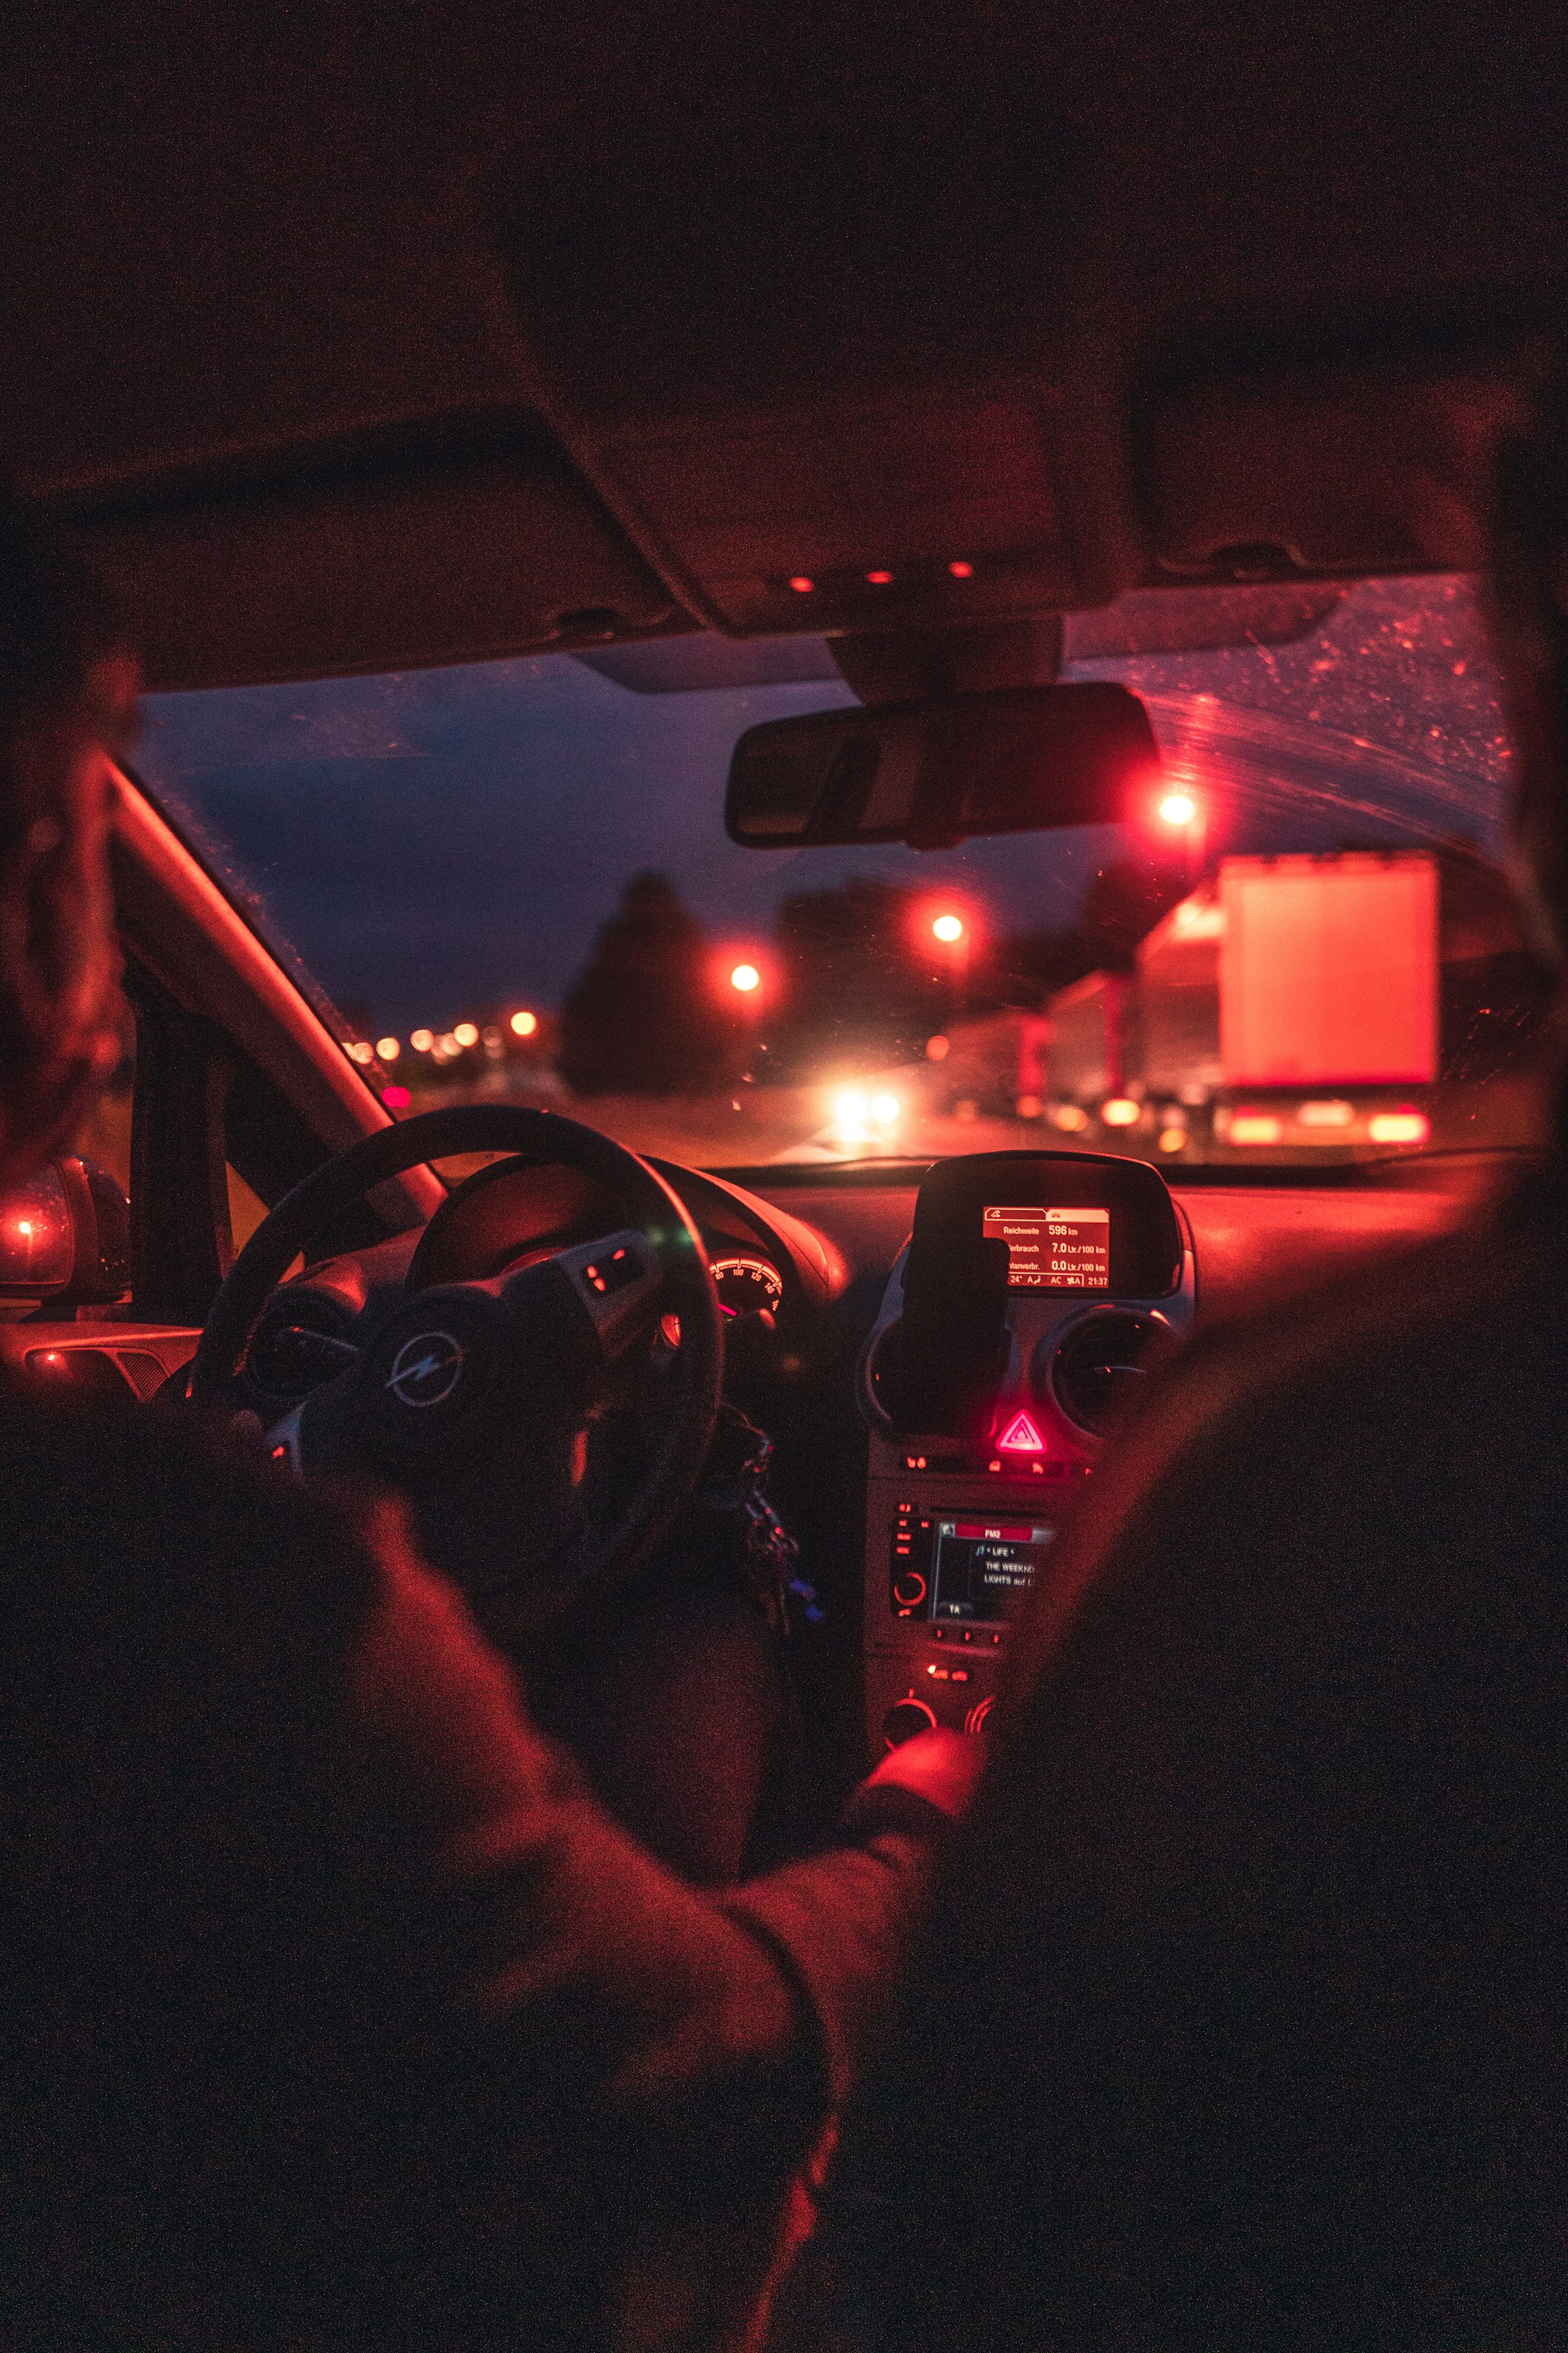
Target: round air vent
x: 301, y: 1340
x: 1100, y: 1360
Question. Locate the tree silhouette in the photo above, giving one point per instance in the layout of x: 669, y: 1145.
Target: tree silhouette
x: 643, y: 1017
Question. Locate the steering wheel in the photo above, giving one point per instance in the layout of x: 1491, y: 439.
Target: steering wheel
x: 478, y: 1401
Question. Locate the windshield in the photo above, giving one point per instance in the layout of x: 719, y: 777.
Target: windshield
x: 513, y: 878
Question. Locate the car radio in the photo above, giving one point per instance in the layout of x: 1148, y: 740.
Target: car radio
x: 958, y: 1567
x: 1035, y: 1291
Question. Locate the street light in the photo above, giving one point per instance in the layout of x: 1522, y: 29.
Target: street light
x: 523, y: 1025
x: 1184, y: 813
x: 745, y: 977
x: 949, y: 929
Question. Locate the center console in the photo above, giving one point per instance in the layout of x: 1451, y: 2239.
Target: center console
x: 1035, y: 1292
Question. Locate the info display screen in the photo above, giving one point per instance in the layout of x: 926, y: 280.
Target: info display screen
x: 1053, y: 1250
x: 982, y: 1569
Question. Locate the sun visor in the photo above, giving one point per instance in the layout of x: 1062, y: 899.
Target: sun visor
x: 1295, y: 466
x: 460, y: 560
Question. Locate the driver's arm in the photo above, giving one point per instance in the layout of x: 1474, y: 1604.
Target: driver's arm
x: 552, y: 1905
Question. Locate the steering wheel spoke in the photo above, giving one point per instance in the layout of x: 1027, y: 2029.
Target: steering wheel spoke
x: 619, y: 1283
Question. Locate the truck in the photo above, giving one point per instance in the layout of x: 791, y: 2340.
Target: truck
x: 1297, y: 1004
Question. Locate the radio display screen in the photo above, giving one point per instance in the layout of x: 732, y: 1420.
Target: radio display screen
x: 983, y: 1570
x: 1052, y: 1250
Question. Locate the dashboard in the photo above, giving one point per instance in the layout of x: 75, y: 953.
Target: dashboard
x: 939, y: 1354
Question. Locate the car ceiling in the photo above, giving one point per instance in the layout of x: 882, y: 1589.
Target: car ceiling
x: 351, y: 338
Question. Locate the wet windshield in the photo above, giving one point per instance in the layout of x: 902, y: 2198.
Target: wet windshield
x: 513, y: 878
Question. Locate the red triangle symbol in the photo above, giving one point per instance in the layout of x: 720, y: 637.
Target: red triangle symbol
x: 1021, y: 1436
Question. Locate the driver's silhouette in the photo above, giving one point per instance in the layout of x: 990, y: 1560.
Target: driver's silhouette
x: 333, y: 2009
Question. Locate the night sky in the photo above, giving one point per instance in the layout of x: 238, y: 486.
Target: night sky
x: 438, y: 842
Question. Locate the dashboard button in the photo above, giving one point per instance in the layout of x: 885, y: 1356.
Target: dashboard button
x: 909, y: 1589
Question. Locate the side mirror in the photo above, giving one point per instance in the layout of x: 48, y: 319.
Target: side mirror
x: 1015, y: 760
x: 65, y: 1236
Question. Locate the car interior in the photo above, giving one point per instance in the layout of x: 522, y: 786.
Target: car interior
x: 1008, y: 427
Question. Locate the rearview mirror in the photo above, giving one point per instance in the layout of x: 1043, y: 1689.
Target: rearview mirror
x: 1015, y: 760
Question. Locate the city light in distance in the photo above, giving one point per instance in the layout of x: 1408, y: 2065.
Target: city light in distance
x: 396, y: 1098
x: 467, y: 1034
x: 523, y: 1025
x: 1120, y: 1112
x: 884, y: 1110
x: 1178, y: 809
x: 361, y: 1054
x: 745, y: 977
x: 948, y: 929
x: 422, y: 1040
x: 387, y: 1049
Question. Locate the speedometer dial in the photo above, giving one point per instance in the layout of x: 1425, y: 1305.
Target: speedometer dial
x: 746, y: 1286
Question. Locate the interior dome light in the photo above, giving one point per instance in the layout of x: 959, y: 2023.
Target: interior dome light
x: 879, y: 579
x: 961, y: 571
x: 802, y: 584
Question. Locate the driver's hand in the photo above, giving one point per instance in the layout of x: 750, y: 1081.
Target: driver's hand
x: 942, y: 1767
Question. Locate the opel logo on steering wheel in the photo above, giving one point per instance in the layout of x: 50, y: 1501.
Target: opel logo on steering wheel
x: 426, y: 1369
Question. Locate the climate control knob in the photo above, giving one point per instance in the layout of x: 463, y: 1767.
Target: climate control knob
x: 905, y: 1718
